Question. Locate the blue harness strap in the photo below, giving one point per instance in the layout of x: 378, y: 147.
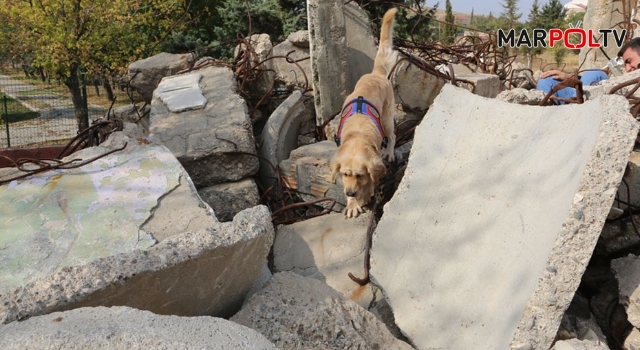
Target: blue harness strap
x: 362, y: 106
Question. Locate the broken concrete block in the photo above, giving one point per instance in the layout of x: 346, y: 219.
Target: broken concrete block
x: 307, y: 172
x: 522, y: 96
x: 520, y: 77
x: 579, y: 320
x: 461, y: 252
x: 297, y: 312
x: 280, y: 135
x: 361, y: 45
x: 627, y: 271
x: 620, y: 233
x: 125, y: 229
x: 576, y: 344
x: 133, y: 114
x: 292, y: 75
x: 230, y: 198
x: 605, y: 86
x: 459, y: 68
x: 328, y: 47
x: 485, y: 85
x: 341, y: 41
x: 632, y: 342
x: 145, y: 74
x: 261, y: 49
x: 326, y: 248
x: 414, y: 88
x: 126, y: 328
x: 629, y: 191
x: 204, y: 140
x: 602, y: 14
x: 299, y: 39
x: 66, y: 217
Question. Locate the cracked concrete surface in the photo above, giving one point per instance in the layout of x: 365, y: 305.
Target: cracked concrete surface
x: 128, y: 229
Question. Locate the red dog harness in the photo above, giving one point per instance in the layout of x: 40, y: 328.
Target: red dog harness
x: 362, y: 106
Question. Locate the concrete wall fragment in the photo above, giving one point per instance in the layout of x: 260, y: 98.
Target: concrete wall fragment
x: 496, y: 218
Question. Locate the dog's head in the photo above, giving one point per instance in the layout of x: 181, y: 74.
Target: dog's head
x: 360, y: 168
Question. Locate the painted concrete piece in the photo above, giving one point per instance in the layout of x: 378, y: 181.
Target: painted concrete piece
x: 70, y: 217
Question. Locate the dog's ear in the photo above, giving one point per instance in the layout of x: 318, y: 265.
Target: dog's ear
x: 334, y: 165
x: 376, y: 169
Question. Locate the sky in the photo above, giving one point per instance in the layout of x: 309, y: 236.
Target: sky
x: 483, y: 7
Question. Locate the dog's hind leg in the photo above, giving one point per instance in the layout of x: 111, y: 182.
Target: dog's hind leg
x: 388, y: 125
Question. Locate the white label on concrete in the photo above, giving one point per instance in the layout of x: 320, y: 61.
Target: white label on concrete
x: 182, y: 92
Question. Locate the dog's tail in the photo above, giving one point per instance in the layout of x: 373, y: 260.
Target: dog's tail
x: 386, y: 56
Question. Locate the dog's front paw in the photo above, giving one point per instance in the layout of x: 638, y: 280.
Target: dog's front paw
x: 353, y: 208
x: 388, y: 155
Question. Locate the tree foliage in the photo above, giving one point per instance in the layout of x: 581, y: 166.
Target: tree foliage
x: 486, y: 23
x: 94, y: 34
x: 216, y: 25
x: 552, y: 15
x: 449, y: 26
x: 65, y: 36
x: 413, y: 20
x: 574, y: 18
x: 533, y: 22
x: 510, y: 15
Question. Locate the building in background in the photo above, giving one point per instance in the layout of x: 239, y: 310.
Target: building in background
x: 574, y: 6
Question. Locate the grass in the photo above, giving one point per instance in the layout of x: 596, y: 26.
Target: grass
x: 97, y: 98
x: 14, y: 110
x: 546, y: 61
x: 42, y: 91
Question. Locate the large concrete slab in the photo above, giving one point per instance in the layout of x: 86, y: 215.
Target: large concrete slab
x: 66, y: 217
x: 205, y: 140
x: 126, y: 328
x: 328, y: 49
x: 297, y: 312
x: 326, y: 248
x: 125, y: 229
x: 486, y: 239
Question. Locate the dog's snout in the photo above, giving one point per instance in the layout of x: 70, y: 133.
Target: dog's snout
x: 350, y: 193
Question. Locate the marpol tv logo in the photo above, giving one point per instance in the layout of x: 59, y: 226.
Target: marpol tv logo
x: 573, y: 37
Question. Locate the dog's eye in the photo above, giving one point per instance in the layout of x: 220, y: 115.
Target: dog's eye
x: 358, y: 175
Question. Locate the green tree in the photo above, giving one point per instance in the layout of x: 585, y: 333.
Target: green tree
x: 574, y: 18
x: 471, y: 18
x: 449, y: 26
x: 486, y: 23
x: 559, y: 53
x: 67, y: 37
x: 216, y: 25
x: 533, y: 22
x: 552, y: 15
x: 413, y: 20
x: 510, y: 15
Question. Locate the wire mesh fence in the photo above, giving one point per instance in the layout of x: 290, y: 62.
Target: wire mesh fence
x: 35, y: 113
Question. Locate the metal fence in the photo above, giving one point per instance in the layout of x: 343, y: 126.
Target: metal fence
x: 34, y: 113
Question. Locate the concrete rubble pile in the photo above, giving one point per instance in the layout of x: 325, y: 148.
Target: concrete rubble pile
x: 162, y: 241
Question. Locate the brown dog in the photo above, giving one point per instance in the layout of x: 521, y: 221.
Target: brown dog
x: 365, y: 134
